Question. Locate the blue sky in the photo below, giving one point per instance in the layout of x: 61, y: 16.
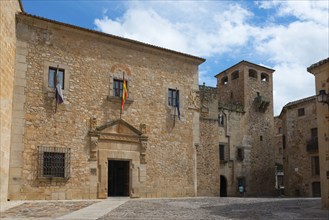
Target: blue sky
x: 287, y: 36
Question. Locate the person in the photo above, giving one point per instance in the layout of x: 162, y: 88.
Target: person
x: 241, y: 190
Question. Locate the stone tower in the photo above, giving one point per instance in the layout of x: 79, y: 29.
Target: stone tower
x: 242, y: 132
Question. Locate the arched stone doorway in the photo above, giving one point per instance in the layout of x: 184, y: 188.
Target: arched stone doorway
x: 223, y: 186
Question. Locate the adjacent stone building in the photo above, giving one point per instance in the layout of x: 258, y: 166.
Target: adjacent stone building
x: 85, y: 148
x: 300, y: 148
x: 8, y: 9
x: 236, y: 126
x: 321, y: 72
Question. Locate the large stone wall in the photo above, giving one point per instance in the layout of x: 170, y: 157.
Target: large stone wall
x: 8, y: 10
x: 91, y: 61
x: 297, y: 159
x: 321, y: 73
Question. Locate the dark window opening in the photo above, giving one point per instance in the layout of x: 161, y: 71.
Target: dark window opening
x: 261, y: 138
x: 253, y: 73
x: 283, y: 141
x: 52, y: 77
x: 235, y: 75
x: 54, y: 162
x: 221, y: 152
x: 301, y: 112
x: 240, y: 154
x: 315, y: 166
x: 264, y: 77
x: 225, y: 80
x: 173, y: 97
x: 118, y: 87
x: 221, y: 120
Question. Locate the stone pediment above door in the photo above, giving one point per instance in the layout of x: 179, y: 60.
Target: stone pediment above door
x: 118, y: 130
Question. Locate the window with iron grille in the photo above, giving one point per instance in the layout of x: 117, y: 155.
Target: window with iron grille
x: 173, y: 94
x: 117, y: 87
x: 54, y: 162
x: 223, y: 153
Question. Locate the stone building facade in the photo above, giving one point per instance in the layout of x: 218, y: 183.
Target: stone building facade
x: 8, y: 9
x: 278, y: 152
x: 236, y: 127
x: 300, y: 148
x: 85, y: 148
x: 321, y: 72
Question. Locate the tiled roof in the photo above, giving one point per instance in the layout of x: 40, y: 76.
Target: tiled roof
x: 310, y: 68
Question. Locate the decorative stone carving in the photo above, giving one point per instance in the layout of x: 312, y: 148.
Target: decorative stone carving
x: 93, y: 124
x: 93, y: 147
x: 143, y: 128
x: 194, y: 100
x: 143, y: 148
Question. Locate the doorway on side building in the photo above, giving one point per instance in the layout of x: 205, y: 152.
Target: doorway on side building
x: 118, y: 178
x: 223, y: 186
x: 316, y: 189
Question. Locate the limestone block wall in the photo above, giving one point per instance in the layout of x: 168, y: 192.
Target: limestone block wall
x: 321, y: 73
x: 8, y: 10
x: 91, y: 62
x: 297, y: 160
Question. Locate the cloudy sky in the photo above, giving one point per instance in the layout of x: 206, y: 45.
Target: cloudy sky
x: 287, y: 36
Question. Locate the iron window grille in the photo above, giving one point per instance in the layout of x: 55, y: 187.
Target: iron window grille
x: 54, y: 162
x: 52, y: 76
x: 173, y: 94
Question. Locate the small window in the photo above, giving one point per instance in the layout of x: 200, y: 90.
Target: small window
x: 314, y: 133
x: 261, y: 138
x: 240, y: 154
x: 264, y: 77
x: 235, y: 75
x: 252, y: 73
x: 301, y: 112
x: 280, y: 130
x: 52, y: 72
x: 315, y: 166
x: 225, y: 80
x: 223, y: 153
x: 221, y: 119
x: 284, y: 141
x: 118, y: 87
x: 173, y: 97
x: 54, y: 162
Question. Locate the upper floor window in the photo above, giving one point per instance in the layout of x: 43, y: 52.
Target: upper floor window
x: 221, y: 120
x: 252, y: 73
x: 235, y: 75
x: 225, y: 80
x: 315, y: 166
x: 240, y: 154
x: 314, y: 133
x: 222, y: 152
x: 118, y: 87
x: 264, y: 77
x: 301, y: 112
x: 173, y: 97
x: 55, y: 74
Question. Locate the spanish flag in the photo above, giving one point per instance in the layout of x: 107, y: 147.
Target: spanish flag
x: 124, y: 93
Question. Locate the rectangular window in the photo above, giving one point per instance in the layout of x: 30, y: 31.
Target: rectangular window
x: 315, y: 166
x: 261, y: 138
x: 301, y: 112
x: 54, y: 162
x: 314, y: 133
x: 52, y: 76
x: 223, y: 153
x: 240, y: 154
x: 117, y: 87
x: 284, y: 141
x: 172, y: 95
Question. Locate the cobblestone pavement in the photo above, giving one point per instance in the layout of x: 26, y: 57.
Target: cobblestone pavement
x: 220, y: 208
x: 205, y: 208
x: 44, y: 209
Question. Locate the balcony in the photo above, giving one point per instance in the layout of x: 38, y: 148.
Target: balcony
x: 312, y: 145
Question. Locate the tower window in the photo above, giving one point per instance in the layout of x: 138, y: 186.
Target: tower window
x: 253, y: 73
x: 225, y: 80
x: 235, y: 75
x: 301, y: 112
x: 264, y: 77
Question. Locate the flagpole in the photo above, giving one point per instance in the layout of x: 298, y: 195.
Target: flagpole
x: 55, y: 84
x: 175, y: 107
x: 123, y: 81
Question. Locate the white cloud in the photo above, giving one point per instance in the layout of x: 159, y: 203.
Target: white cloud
x: 221, y: 29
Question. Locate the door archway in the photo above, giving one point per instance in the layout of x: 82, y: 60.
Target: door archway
x: 223, y: 186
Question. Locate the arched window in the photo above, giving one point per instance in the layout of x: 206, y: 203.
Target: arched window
x: 264, y: 77
x: 253, y: 73
x: 225, y: 80
x: 235, y: 75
